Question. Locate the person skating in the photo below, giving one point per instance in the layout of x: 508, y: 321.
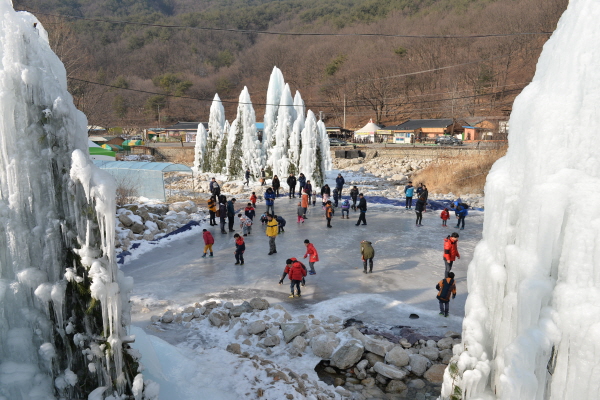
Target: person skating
x: 214, y: 187
x: 446, y: 288
x: 339, y: 184
x: 300, y: 213
x: 247, y: 176
x: 250, y: 212
x: 313, y: 256
x: 272, y: 231
x: 419, y: 208
x: 325, y: 194
x: 281, y: 222
x: 231, y: 214
x: 346, y: 208
x: 270, y: 201
x: 409, y: 190
x: 222, y: 213
x: 295, y: 271
x: 209, y: 240
x: 304, y: 202
x: 240, y: 247
x: 253, y: 199
x: 245, y: 224
x: 276, y: 185
x: 301, y: 183
x: 291, y: 181
x: 354, y: 197
x: 328, y: 213
x: 212, y: 210
x: 362, y: 207
x: 445, y: 215
x: 450, y: 251
x: 367, y: 253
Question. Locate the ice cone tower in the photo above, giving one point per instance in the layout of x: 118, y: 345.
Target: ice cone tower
x: 531, y: 328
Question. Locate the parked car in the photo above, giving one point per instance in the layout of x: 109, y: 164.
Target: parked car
x: 336, y: 142
x: 448, y: 141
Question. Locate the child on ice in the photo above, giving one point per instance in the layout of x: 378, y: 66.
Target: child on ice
x: 253, y: 199
x: 346, y: 208
x: 445, y: 216
x: 240, y: 247
x: 300, y: 213
x: 263, y: 218
x: 209, y: 240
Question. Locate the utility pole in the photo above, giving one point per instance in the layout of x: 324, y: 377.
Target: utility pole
x: 158, y: 110
x: 344, y: 126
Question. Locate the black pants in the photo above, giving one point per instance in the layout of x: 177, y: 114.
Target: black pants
x: 292, y: 191
x: 296, y: 284
x: 222, y: 221
x: 212, y: 218
x: 276, y: 190
x: 363, y: 218
x: 329, y: 222
x: 300, y: 190
x: 448, y: 265
x: 409, y: 202
x: 461, y: 220
x: 354, y: 203
x: 419, y: 217
x: 339, y: 192
x: 444, y: 307
x: 230, y: 219
x: 370, y: 260
x: 239, y: 256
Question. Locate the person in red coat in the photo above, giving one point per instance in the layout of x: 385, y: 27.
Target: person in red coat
x: 209, y: 240
x: 445, y: 216
x: 450, y: 251
x: 312, y: 255
x: 296, y: 272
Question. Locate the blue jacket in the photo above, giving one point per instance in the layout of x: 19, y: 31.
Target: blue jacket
x: 281, y: 221
x: 409, y: 191
x: 270, y: 197
x: 302, y: 181
x: 230, y: 207
x: 339, y: 182
x: 461, y: 211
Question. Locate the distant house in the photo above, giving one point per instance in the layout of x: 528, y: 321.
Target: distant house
x: 486, y: 128
x: 185, y: 131
x: 419, y: 130
x: 338, y: 132
x: 100, y: 140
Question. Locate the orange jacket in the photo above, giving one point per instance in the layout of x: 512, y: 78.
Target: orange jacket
x: 446, y: 288
x: 451, y: 249
x: 304, y: 202
x: 312, y: 252
x: 329, y: 211
x: 253, y: 199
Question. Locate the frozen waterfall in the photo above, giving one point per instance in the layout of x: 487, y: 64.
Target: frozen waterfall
x: 531, y: 327
x: 63, y: 302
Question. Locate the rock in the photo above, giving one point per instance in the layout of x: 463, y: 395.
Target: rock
x: 218, y: 318
x: 382, y: 379
x: 197, y: 312
x: 178, y: 318
x: 374, y: 393
x: 332, y: 319
x: 397, y: 356
x: 338, y: 381
x: 314, y: 333
x: 161, y: 225
x: 435, y: 374
x: 154, y: 318
x: 323, y: 346
x: 256, y: 327
x: 291, y: 330
x: 234, y: 348
x: 189, y: 310
x: 245, y: 307
x: 418, y: 364
x: 271, y: 341
x: 167, y: 317
x: 259, y: 304
x: 247, y: 342
x: 137, y: 228
x: 330, y: 370
x: 187, y: 317
x: 445, y: 343
x: 417, y: 384
x: 380, y: 347
x: 373, y: 358
x: 343, y: 392
x: 446, y: 355
x: 362, y: 365
x: 395, y: 386
x: 389, y: 371
x: 125, y: 220
x: 299, y: 343
x: 188, y: 207
x: 355, y: 333
x: 274, y: 330
x: 228, y: 305
x: 348, y: 354
x: 211, y: 304
x: 431, y: 353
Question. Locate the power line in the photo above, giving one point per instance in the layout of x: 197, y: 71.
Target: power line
x: 250, y: 31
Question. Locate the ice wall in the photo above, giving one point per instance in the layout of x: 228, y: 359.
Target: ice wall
x: 532, y: 315
x: 63, y: 302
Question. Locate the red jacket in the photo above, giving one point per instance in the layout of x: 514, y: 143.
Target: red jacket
x: 312, y: 252
x: 450, y: 249
x: 208, y: 238
x: 253, y: 199
x: 296, y: 271
x: 445, y: 215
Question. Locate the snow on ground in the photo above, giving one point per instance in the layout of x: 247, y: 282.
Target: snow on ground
x: 172, y: 275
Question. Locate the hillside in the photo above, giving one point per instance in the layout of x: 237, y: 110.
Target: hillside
x: 120, y: 44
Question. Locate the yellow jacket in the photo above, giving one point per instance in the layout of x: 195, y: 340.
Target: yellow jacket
x: 272, y: 227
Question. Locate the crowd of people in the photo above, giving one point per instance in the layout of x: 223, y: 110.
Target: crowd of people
x: 220, y: 207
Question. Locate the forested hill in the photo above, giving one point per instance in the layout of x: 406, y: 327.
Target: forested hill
x: 127, y: 68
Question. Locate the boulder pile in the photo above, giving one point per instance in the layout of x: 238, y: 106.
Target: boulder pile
x: 389, y: 168
x: 359, y: 365
x: 152, y: 221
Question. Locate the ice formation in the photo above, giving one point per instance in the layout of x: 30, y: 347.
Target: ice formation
x: 217, y: 129
x: 201, y: 159
x: 531, y: 327
x: 308, y: 156
x: 324, y: 147
x: 278, y: 157
x: 274, y: 90
x: 243, y: 147
x: 63, y: 301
